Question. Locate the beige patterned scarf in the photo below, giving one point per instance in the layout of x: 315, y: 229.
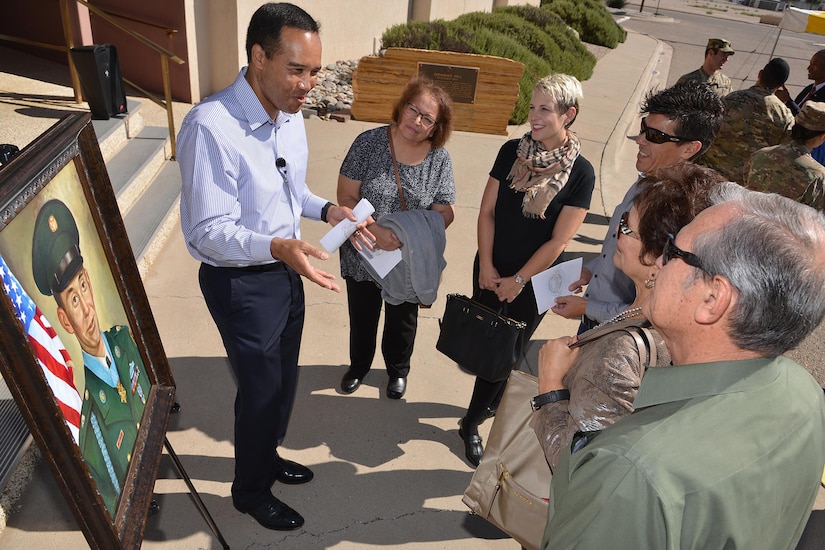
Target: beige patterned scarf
x: 540, y: 174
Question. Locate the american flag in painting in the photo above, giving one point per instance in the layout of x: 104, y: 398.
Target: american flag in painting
x: 49, y: 351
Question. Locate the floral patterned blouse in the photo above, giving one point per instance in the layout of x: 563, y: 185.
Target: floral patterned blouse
x: 369, y: 161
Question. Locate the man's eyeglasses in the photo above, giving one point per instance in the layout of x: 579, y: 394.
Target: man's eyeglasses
x: 426, y: 120
x: 672, y: 251
x: 657, y: 136
x: 624, y: 229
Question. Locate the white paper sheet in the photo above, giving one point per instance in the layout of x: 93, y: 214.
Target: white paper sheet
x: 382, y: 261
x: 554, y: 282
x: 336, y: 236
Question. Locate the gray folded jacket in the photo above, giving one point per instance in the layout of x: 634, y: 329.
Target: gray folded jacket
x: 417, y: 276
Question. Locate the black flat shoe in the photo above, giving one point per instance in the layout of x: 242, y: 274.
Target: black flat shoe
x: 274, y: 514
x: 291, y: 472
x: 473, y: 449
x: 489, y: 412
x: 397, y: 387
x: 351, y: 381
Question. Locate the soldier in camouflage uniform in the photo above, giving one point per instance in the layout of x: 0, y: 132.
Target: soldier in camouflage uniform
x: 789, y: 169
x: 717, y: 53
x: 116, y: 384
x: 754, y: 118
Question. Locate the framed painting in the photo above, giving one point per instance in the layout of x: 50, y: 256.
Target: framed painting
x: 79, y: 348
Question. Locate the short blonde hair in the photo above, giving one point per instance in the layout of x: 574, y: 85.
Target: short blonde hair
x: 565, y: 90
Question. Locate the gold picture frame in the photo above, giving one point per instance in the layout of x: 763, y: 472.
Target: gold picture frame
x: 74, y: 297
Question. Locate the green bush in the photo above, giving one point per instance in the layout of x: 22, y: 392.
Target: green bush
x: 551, y: 49
x: 433, y: 35
x: 561, y: 48
x: 591, y: 20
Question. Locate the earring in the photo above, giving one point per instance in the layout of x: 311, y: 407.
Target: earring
x: 650, y: 282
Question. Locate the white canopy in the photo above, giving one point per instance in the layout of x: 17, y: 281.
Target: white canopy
x: 798, y: 20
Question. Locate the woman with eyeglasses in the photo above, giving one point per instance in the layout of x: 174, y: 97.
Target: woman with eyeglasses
x: 590, y: 387
x: 403, y: 166
x: 536, y: 197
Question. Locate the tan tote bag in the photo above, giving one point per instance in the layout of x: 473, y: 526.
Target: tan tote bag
x: 511, y: 485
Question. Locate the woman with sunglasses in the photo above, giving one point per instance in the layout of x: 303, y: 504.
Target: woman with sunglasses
x: 535, y: 200
x: 414, y: 143
x: 590, y: 387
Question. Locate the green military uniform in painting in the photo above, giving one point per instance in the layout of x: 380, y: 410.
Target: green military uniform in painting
x: 788, y: 170
x: 718, y: 82
x: 116, y: 383
x: 112, y: 415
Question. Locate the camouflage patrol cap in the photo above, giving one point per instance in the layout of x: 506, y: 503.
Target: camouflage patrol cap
x: 720, y: 44
x: 812, y: 116
x: 56, y: 255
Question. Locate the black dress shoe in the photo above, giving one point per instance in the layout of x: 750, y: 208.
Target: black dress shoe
x: 291, y: 472
x: 397, y: 387
x: 490, y: 412
x: 351, y: 381
x: 473, y: 449
x: 274, y: 514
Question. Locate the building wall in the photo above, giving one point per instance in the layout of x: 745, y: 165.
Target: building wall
x: 211, y: 34
x: 350, y: 29
x: 429, y: 10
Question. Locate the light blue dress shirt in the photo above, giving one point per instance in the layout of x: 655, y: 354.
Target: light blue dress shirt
x: 235, y: 199
x: 610, y: 291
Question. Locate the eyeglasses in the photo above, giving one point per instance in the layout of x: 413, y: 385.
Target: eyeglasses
x: 624, y: 229
x: 657, y: 136
x: 426, y: 120
x: 671, y: 250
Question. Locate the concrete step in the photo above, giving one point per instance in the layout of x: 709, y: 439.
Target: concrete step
x: 134, y: 166
x: 146, y: 184
x: 112, y: 134
x: 151, y: 218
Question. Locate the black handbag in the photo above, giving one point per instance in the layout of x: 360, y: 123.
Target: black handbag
x: 483, y: 341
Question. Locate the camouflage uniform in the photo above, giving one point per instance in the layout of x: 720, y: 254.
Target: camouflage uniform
x: 789, y: 170
x: 718, y: 82
x: 754, y: 118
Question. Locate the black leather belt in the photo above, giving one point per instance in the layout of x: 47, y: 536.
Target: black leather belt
x: 261, y: 268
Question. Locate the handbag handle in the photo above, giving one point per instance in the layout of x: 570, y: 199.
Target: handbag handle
x: 643, y: 337
x: 395, y: 166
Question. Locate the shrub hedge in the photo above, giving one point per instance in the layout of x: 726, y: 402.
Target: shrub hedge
x: 551, y: 48
x: 591, y: 20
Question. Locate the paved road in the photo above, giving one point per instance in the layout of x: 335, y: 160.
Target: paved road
x: 687, y: 34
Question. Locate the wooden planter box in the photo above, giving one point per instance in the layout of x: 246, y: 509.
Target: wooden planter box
x: 484, y: 87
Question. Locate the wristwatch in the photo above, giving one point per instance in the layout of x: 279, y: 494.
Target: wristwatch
x: 550, y: 397
x: 324, y: 211
x: 519, y: 279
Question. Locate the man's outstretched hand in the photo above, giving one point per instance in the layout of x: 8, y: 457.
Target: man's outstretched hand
x: 296, y: 253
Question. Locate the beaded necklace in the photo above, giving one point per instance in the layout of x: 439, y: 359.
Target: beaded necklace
x: 632, y: 312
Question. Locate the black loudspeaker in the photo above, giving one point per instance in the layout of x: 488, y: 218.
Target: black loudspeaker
x: 100, y: 79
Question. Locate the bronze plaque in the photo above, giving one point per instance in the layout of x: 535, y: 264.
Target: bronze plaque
x: 459, y: 82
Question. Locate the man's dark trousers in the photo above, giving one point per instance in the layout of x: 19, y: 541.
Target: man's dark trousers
x: 259, y: 313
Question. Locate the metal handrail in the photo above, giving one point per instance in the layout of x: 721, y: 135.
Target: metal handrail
x: 165, y: 56
x: 130, y: 32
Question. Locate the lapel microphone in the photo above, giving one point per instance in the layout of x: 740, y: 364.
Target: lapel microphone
x: 280, y: 162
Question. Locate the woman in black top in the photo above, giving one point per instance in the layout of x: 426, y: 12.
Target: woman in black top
x: 535, y: 200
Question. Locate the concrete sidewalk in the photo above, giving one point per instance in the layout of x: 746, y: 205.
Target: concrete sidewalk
x: 388, y: 473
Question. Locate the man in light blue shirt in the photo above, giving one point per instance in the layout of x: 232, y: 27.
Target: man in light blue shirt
x: 243, y: 160
x: 679, y: 124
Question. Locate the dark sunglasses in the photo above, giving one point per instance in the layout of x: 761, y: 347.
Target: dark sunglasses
x: 672, y: 251
x: 657, y: 136
x: 624, y: 229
